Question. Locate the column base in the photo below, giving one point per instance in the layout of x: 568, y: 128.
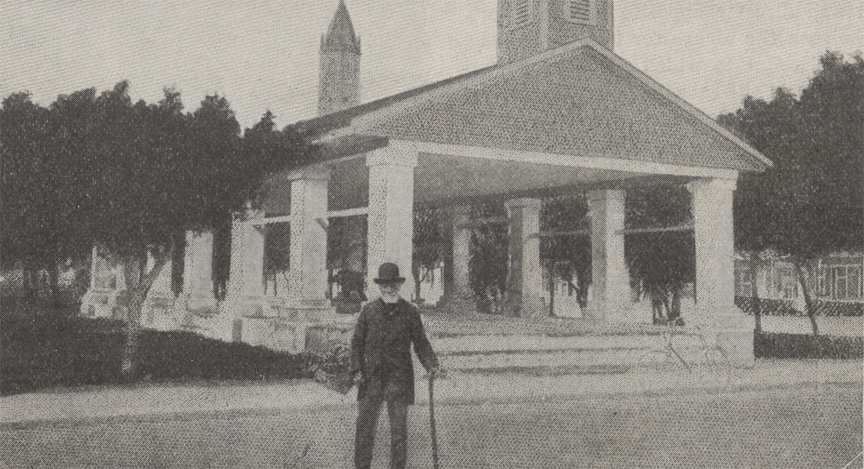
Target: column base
x: 734, y: 332
x: 200, y: 302
x: 737, y: 345
x: 282, y: 324
x: 162, y: 313
x: 99, y: 303
x: 594, y: 313
x: 527, y: 306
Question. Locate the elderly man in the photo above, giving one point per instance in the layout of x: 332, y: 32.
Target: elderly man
x: 381, y: 362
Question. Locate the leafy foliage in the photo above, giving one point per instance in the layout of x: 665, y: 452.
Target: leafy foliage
x: 128, y: 178
x: 811, y: 202
x: 488, y: 262
x: 662, y: 263
x: 567, y: 254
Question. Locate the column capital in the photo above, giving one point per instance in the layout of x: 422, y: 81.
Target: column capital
x: 523, y: 202
x: 248, y: 214
x: 720, y: 184
x: 395, y: 154
x: 310, y: 172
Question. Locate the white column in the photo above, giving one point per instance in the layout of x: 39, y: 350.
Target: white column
x: 161, y: 287
x: 391, y: 213
x: 247, y: 259
x: 610, y: 282
x: 715, y: 269
x: 309, y: 237
x: 524, y: 277
x: 106, y: 282
x: 461, y: 252
x: 253, y: 261
x: 198, y: 268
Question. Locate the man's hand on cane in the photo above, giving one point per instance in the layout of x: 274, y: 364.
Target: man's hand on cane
x: 436, y: 373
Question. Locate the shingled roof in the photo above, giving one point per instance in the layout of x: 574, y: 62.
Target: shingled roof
x: 579, y: 99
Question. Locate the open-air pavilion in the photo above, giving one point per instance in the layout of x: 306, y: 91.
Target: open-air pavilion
x: 577, y: 118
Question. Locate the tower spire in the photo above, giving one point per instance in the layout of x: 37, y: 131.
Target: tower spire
x: 340, y: 35
x: 339, y: 75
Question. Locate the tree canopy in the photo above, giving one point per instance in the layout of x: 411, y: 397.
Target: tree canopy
x: 811, y: 203
x: 98, y: 170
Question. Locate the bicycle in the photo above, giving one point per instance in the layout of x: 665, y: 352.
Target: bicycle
x: 686, y: 359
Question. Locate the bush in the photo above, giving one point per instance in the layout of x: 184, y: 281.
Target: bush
x: 801, y: 346
x: 39, y: 353
x: 773, y: 307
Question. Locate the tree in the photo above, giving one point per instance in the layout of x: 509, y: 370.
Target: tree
x: 431, y: 243
x: 765, y: 125
x: 489, y: 258
x: 811, y: 203
x: 566, y: 251
x: 41, y: 206
x: 662, y: 262
x: 29, y: 212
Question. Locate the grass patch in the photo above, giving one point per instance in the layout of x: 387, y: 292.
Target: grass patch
x: 40, y: 353
x: 806, y: 346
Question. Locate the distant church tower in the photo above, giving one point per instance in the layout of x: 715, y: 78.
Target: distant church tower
x: 339, y: 76
x: 528, y: 27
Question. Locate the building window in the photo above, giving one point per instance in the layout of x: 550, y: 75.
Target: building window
x: 521, y: 13
x: 841, y: 282
x: 743, y: 282
x: 580, y: 11
x: 782, y: 283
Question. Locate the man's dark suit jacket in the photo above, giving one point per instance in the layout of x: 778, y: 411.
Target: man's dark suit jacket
x: 381, y: 350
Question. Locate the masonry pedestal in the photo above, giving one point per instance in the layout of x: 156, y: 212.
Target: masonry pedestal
x: 107, y: 283
x: 610, y: 284
x: 158, y: 311
x: 524, y: 277
x: 198, y: 272
x: 391, y: 213
x: 715, y: 311
x: 308, y: 287
x: 277, y: 322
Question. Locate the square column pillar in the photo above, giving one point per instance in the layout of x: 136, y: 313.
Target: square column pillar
x: 245, y: 280
x: 524, y: 276
x: 161, y: 287
x: 308, y: 278
x: 198, y: 270
x: 461, y: 252
x: 715, y: 269
x: 610, y: 277
x: 107, y: 282
x: 391, y: 213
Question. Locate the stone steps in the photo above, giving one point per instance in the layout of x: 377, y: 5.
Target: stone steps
x: 541, y: 355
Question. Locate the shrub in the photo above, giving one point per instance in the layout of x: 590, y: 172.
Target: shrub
x: 39, y: 353
x: 774, y: 307
x: 805, y: 346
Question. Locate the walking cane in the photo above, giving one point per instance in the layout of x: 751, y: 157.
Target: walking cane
x: 432, y: 421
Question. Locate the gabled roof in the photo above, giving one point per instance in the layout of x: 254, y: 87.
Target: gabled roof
x: 579, y: 99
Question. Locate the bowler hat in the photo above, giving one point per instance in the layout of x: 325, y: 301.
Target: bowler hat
x: 389, y: 273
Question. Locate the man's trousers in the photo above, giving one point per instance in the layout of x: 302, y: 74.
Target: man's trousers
x: 367, y: 419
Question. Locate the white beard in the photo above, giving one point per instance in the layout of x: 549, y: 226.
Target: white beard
x: 390, y: 298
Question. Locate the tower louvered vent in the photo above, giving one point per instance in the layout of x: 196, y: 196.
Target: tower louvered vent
x: 521, y: 12
x: 580, y: 10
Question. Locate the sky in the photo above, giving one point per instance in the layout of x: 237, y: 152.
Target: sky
x: 263, y: 54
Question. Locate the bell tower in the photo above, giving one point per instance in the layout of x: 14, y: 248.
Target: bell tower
x: 339, y: 73
x: 529, y: 27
